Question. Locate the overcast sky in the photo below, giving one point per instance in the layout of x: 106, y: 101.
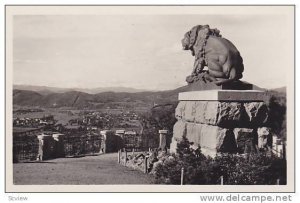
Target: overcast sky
x: 142, y: 51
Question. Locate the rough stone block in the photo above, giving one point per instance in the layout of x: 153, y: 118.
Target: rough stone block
x: 173, y: 145
x: 193, y: 133
x: 206, y: 112
x: 180, y: 110
x: 190, y: 111
x: 179, y: 130
x: 206, y: 136
x: 229, y: 113
x: 257, y: 112
x: 216, y: 138
x: 242, y: 137
x: 211, y: 112
x: 207, y: 118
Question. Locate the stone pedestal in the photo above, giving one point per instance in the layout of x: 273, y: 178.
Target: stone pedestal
x: 163, y: 139
x: 235, y: 85
x: 220, y: 120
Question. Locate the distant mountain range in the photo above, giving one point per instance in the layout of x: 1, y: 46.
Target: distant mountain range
x: 44, y: 90
x: 60, y: 97
x: 100, y: 100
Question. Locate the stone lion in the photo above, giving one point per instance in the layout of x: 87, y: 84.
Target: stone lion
x: 222, y: 59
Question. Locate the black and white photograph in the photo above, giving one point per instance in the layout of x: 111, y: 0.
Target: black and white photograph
x: 150, y: 98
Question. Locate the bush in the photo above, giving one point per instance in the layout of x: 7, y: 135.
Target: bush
x: 196, y: 166
x: 253, y: 169
x: 277, y: 113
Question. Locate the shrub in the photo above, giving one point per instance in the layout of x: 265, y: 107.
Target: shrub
x: 277, y: 113
x: 252, y: 169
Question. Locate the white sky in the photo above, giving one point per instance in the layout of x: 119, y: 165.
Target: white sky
x: 142, y: 51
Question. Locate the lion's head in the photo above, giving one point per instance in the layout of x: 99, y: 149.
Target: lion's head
x: 201, y: 31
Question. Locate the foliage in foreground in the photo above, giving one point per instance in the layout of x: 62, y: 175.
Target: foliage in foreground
x: 254, y: 169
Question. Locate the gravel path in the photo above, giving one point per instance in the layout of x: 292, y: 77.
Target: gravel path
x: 89, y: 170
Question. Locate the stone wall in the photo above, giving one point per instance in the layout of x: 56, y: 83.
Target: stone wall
x: 225, y: 124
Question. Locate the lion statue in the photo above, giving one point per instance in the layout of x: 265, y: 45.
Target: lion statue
x: 222, y: 59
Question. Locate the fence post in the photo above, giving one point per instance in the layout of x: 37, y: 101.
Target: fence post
x: 181, y: 179
x: 132, y: 151
x: 278, y: 181
x: 125, y: 158
x: 146, y: 165
x: 222, y: 180
x: 119, y: 156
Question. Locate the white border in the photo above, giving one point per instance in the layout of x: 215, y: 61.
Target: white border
x: 155, y: 188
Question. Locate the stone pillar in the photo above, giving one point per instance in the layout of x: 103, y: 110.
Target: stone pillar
x: 120, y: 133
x: 125, y: 157
x: 120, y: 138
x: 264, y: 138
x: 119, y: 155
x: 219, y: 120
x: 103, y: 141
x: 146, y: 164
x: 45, y: 151
x: 163, y: 139
x: 59, y: 150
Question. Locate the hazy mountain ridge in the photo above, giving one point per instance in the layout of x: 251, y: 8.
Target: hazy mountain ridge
x: 80, y: 99
x: 48, y: 90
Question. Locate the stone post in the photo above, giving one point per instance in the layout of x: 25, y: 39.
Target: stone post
x: 59, y: 150
x: 146, y: 164
x: 119, y: 156
x: 125, y: 158
x: 120, y: 133
x: 264, y: 138
x: 163, y: 139
x: 44, y: 147
x: 103, y: 141
x: 182, y: 176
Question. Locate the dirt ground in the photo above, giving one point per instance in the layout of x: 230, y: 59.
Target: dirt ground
x: 89, y: 170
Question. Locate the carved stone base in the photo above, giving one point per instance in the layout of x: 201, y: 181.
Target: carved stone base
x: 220, y: 120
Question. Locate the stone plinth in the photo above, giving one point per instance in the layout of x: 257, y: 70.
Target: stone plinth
x: 223, y: 95
x: 220, y: 120
x: 235, y: 85
x: 163, y: 139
